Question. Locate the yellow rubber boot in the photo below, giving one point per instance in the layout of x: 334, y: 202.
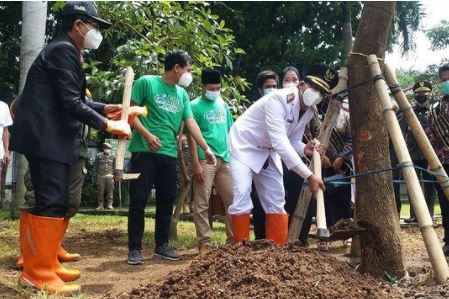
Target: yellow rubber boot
x: 240, y: 227
x: 276, y: 228
x: 40, y: 243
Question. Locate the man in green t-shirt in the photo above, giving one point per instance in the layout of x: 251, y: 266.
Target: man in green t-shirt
x: 214, y: 119
x: 153, y: 148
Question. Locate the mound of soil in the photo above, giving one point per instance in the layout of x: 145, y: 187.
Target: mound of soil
x: 259, y: 269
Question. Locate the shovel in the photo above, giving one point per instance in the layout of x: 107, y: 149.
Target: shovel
x: 344, y: 228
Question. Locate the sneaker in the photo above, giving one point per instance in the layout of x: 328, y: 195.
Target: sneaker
x: 135, y: 257
x: 446, y: 249
x: 411, y: 220
x: 165, y: 253
x: 99, y: 208
x: 110, y: 207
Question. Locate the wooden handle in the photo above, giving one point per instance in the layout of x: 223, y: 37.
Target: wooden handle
x: 320, y: 209
x: 126, y: 102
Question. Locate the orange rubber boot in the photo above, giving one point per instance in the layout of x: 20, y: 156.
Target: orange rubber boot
x: 40, y: 244
x: 63, y: 255
x: 240, y: 227
x: 276, y: 228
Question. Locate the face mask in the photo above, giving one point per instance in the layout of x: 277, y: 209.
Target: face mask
x: 93, y: 38
x: 268, y: 90
x: 185, y: 79
x: 311, y: 97
x: 445, y: 87
x: 345, y: 106
x: 107, y: 151
x: 421, y: 98
x: 212, y: 95
x: 289, y: 85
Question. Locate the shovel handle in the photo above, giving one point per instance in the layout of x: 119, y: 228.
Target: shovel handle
x: 320, y: 209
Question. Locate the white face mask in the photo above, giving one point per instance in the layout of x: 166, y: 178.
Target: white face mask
x: 345, y: 106
x: 212, y: 95
x: 268, y: 91
x: 107, y: 151
x: 289, y: 85
x: 185, y: 79
x: 93, y: 38
x: 311, y: 97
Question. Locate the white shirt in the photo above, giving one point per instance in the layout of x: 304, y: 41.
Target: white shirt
x: 271, y: 128
x: 5, y: 121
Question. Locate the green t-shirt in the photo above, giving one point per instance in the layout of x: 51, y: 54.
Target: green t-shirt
x: 167, y: 106
x: 214, y: 119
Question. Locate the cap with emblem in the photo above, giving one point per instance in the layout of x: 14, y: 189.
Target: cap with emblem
x: 210, y: 76
x: 107, y: 145
x: 422, y: 86
x: 322, y: 76
x: 86, y: 8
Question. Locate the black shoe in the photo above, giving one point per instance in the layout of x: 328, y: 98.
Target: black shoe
x: 411, y: 220
x: 135, y: 257
x: 164, y: 252
x: 446, y: 249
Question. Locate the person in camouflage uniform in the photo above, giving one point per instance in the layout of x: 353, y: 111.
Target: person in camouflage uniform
x: 105, y: 164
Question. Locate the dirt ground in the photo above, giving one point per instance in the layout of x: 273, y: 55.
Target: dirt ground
x: 230, y: 272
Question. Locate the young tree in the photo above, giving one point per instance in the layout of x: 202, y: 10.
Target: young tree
x: 375, y: 205
x: 34, y: 16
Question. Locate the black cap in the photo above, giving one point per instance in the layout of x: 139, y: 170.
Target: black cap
x: 322, y: 76
x: 210, y: 76
x: 86, y: 8
x: 422, y: 86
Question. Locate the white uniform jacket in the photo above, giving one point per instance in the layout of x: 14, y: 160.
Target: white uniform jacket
x: 270, y: 127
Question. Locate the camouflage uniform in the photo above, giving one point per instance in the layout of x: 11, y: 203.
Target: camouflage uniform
x: 105, y: 164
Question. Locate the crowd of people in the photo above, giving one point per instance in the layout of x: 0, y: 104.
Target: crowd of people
x: 257, y: 163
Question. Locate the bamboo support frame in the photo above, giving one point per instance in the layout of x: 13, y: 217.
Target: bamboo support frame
x: 299, y: 215
x: 418, y: 132
x: 434, y: 250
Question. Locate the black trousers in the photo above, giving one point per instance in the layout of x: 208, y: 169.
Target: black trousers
x: 258, y: 215
x: 50, y: 181
x: 293, y: 185
x: 160, y: 171
x: 337, y: 204
x: 444, y: 205
x: 429, y: 188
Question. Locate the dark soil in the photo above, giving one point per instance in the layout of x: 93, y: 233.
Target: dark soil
x: 259, y: 269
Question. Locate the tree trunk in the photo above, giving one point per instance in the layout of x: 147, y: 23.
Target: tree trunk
x: 376, y: 211
x: 347, y: 30
x: 34, y: 16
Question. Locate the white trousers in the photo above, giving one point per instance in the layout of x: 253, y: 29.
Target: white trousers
x: 269, y: 186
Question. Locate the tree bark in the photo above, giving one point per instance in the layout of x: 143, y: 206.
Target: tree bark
x: 34, y: 16
x: 380, y: 244
x: 347, y: 30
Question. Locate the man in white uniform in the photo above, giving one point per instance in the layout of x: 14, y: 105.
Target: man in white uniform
x: 271, y: 130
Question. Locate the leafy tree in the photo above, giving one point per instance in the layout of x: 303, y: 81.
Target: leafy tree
x: 141, y: 35
x: 407, y: 20
x: 439, y: 36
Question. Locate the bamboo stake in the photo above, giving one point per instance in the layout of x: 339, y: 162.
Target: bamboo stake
x: 299, y: 215
x: 418, y: 131
x: 434, y: 250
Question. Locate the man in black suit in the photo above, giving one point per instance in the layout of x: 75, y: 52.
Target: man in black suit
x: 49, y: 116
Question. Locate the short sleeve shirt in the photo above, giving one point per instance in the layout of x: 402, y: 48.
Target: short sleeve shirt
x: 167, y: 106
x: 5, y: 121
x: 214, y: 120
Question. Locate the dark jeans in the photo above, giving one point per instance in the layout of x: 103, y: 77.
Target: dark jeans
x: 50, y: 181
x: 160, y: 171
x: 444, y: 205
x: 429, y: 188
x: 337, y: 204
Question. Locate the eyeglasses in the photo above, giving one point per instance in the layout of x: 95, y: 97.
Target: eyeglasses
x: 92, y: 24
